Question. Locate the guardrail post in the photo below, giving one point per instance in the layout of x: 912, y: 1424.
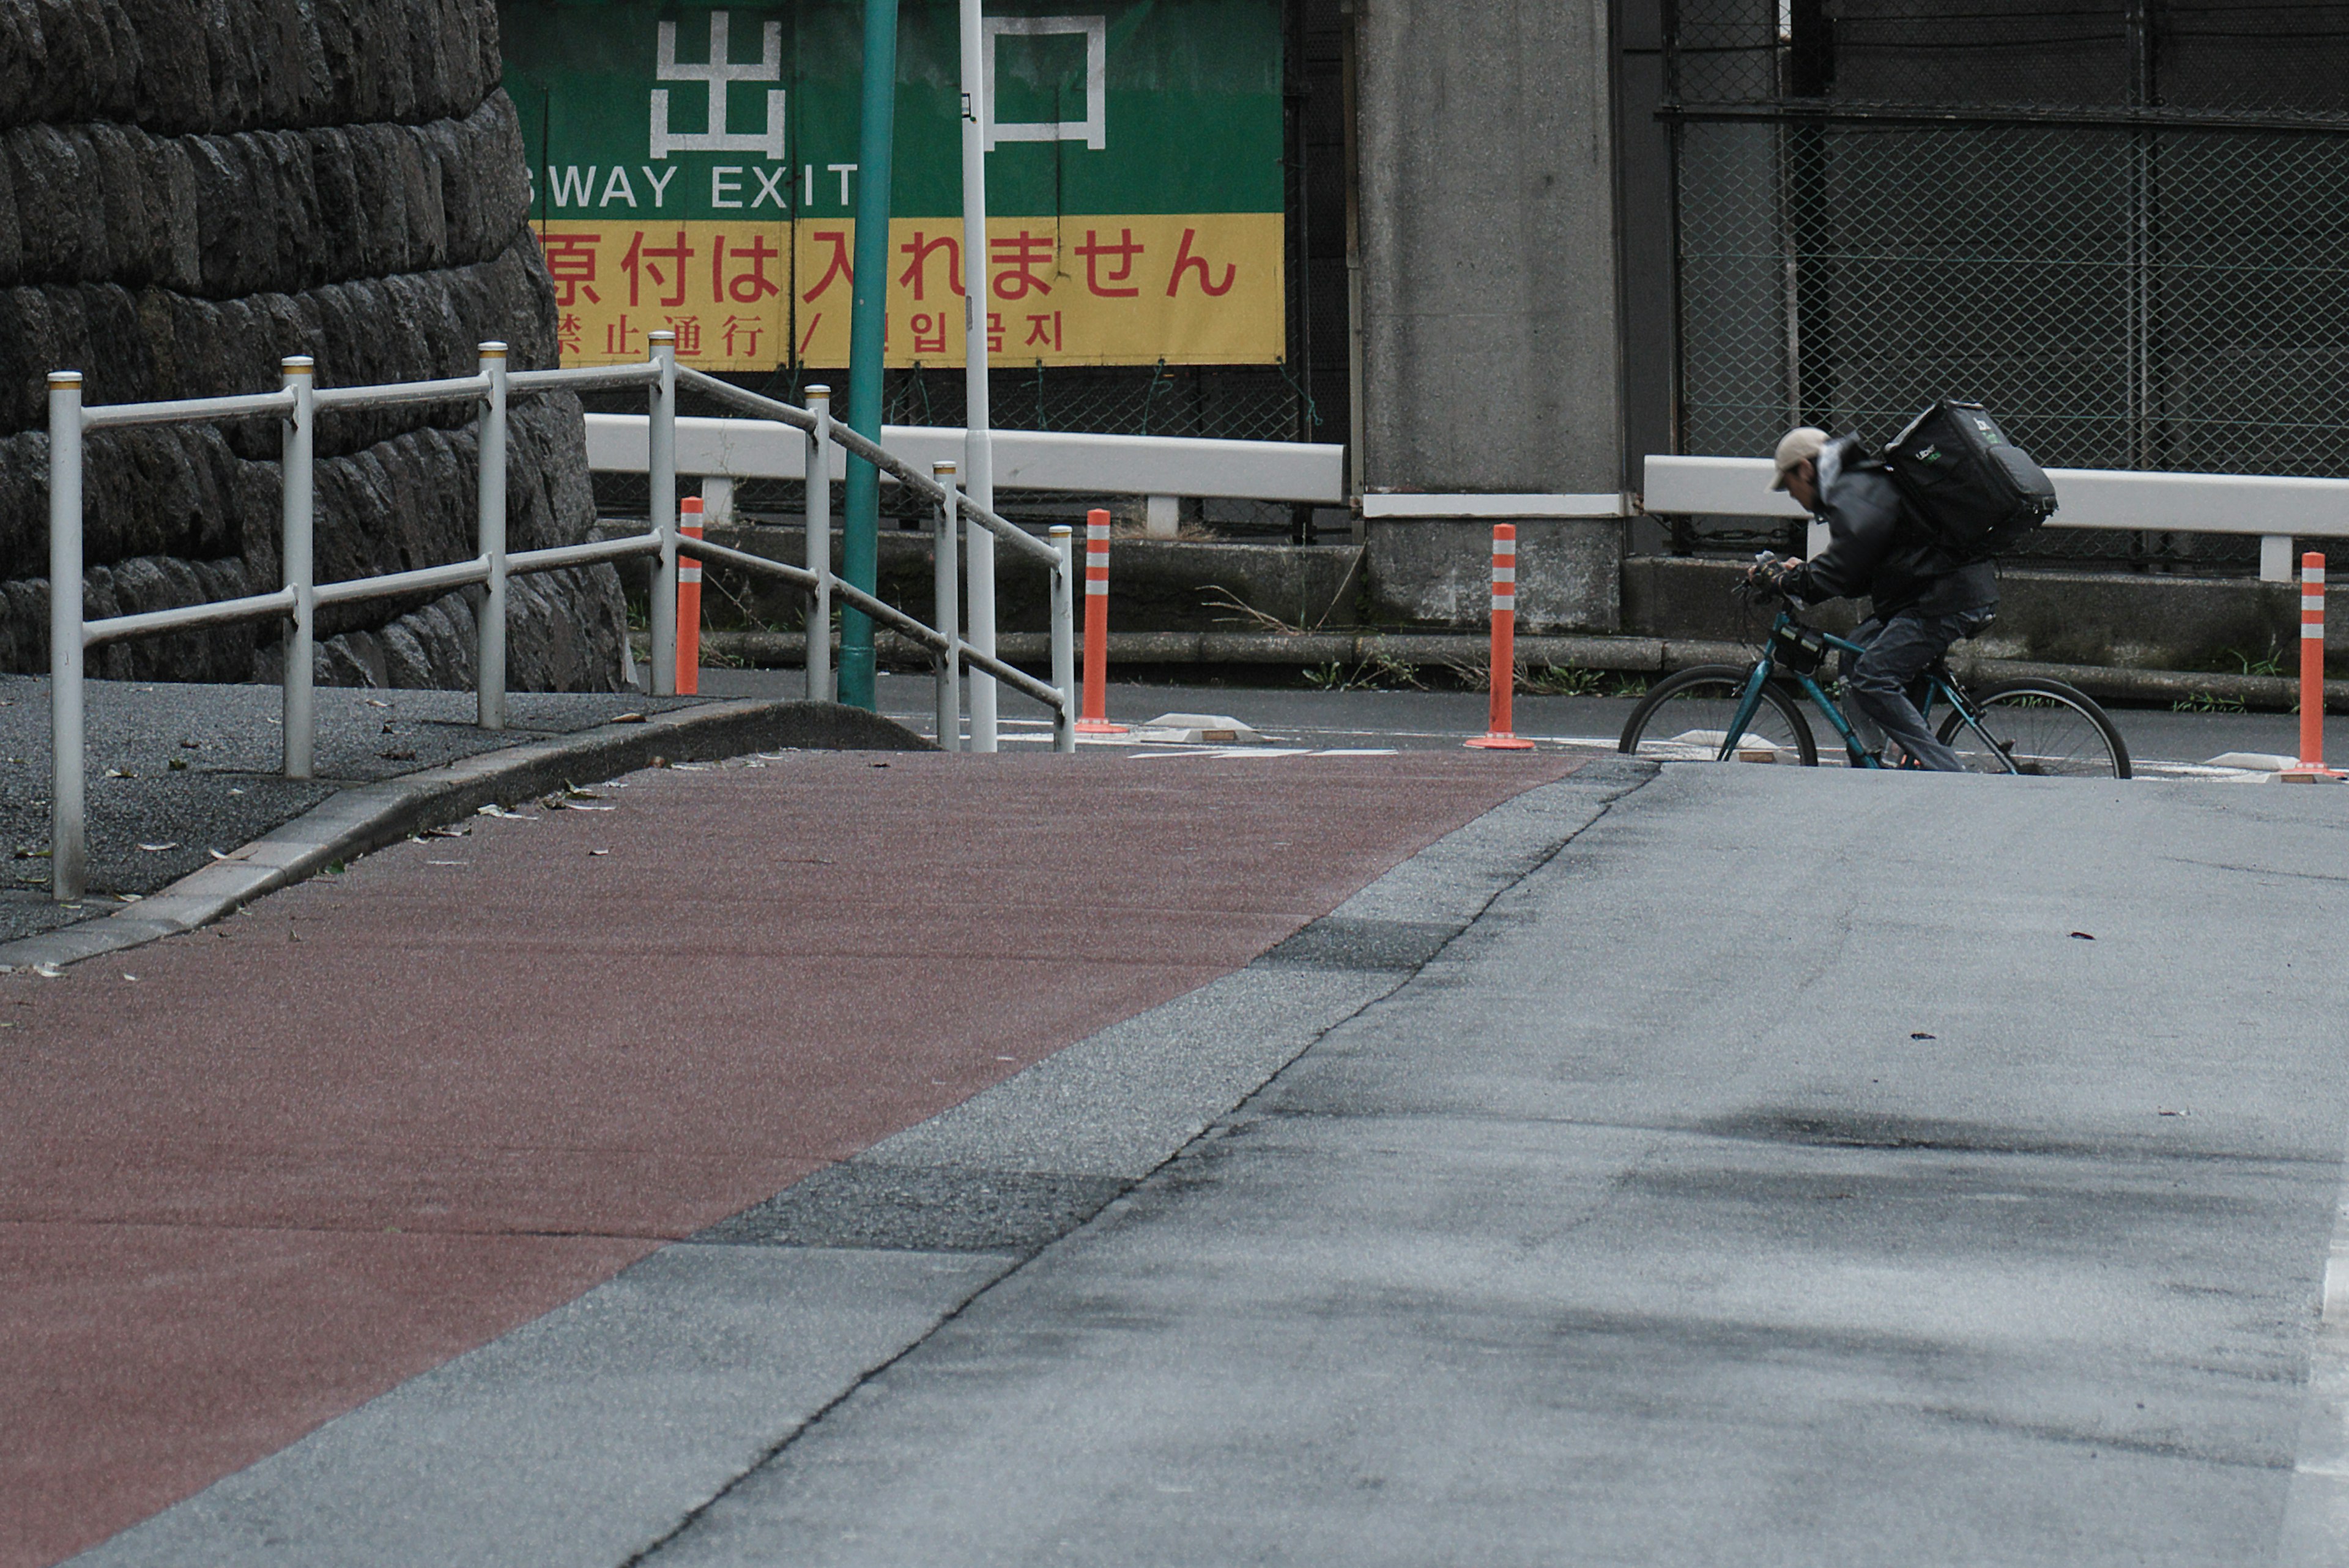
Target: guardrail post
x: 69, y: 846
x: 661, y: 434
x: 819, y: 545
x: 298, y: 450
x: 945, y: 610
x: 490, y: 615
x: 1064, y: 638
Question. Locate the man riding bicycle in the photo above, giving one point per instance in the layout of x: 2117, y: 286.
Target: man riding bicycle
x: 1922, y: 598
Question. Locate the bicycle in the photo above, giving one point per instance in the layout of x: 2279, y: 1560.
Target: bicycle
x: 1724, y: 712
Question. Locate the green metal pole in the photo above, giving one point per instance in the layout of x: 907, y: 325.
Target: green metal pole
x: 860, y: 532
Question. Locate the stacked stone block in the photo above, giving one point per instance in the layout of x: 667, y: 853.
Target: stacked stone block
x: 191, y: 189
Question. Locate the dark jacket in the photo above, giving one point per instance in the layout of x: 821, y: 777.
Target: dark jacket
x: 1879, y: 549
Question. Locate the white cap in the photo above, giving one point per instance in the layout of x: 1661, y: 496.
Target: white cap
x: 1802, y: 444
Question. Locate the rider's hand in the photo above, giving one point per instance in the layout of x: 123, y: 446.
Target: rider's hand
x: 1770, y: 572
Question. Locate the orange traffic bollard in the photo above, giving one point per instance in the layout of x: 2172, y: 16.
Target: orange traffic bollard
x: 1094, y: 719
x: 2312, y: 672
x: 688, y: 602
x: 1498, y: 736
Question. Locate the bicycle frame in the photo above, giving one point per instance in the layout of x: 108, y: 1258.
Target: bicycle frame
x: 1765, y: 667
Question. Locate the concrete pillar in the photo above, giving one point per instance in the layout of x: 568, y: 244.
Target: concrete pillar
x: 1488, y: 227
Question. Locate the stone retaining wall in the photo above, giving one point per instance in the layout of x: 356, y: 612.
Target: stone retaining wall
x: 190, y: 189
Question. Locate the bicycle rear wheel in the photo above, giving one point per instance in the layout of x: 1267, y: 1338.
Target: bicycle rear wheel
x: 2049, y: 729
x: 1686, y: 718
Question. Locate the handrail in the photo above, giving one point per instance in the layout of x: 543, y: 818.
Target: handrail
x: 455, y: 388
x: 423, y: 579
x: 880, y: 610
x: 586, y: 377
x: 297, y: 404
x: 111, y: 416
x: 871, y: 452
x: 186, y: 618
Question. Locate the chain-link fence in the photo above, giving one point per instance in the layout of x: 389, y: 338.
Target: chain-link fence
x: 2120, y: 226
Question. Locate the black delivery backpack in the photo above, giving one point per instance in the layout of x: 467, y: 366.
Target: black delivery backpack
x: 1976, y: 489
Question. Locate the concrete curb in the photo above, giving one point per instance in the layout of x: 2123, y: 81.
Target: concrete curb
x: 367, y: 816
x: 1629, y: 655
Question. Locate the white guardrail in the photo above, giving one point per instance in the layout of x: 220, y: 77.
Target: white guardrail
x: 1162, y: 469
x: 2277, y: 508
x: 296, y: 404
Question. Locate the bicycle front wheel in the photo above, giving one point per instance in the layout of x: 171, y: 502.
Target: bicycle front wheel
x: 2047, y: 728
x: 1686, y: 718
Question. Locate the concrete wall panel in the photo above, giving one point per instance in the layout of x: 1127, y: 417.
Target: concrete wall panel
x: 1488, y: 245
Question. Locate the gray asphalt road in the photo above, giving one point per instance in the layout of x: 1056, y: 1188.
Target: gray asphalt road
x: 1724, y: 1166
x: 1774, y: 1177
x: 1433, y: 719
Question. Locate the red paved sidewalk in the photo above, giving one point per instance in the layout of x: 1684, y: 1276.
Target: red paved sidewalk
x: 386, y: 1116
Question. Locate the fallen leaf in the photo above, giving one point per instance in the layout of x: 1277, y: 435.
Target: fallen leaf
x: 1918, y: 1035
x: 159, y: 848
x: 599, y: 852
x: 375, y: 702
x: 2083, y: 935
x: 627, y: 717
x: 45, y: 971
x: 406, y: 756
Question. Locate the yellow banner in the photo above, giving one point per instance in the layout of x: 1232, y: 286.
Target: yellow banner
x: 1201, y: 290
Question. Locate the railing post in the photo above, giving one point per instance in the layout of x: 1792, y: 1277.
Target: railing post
x: 661, y: 468
x: 819, y: 545
x: 69, y: 846
x: 979, y: 568
x: 297, y: 451
x: 946, y: 617
x: 1064, y: 636
x: 490, y: 615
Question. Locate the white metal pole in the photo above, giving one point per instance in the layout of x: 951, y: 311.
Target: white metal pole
x: 490, y: 615
x: 819, y: 545
x: 297, y: 469
x: 69, y: 848
x: 662, y: 432
x: 977, y: 444
x: 948, y: 591
x: 1064, y: 636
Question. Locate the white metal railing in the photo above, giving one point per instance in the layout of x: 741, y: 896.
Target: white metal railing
x: 1160, y: 469
x: 2275, y: 507
x: 955, y: 512
x: 297, y: 404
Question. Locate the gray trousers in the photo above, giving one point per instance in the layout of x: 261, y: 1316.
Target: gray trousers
x: 1897, y: 651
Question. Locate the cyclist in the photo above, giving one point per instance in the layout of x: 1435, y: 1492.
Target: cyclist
x: 1922, y: 598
